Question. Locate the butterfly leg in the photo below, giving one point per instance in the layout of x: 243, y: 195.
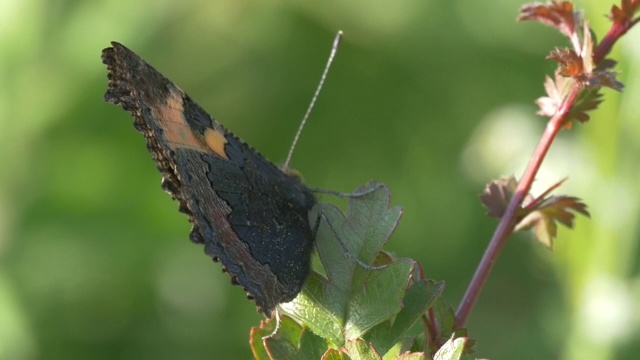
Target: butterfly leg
x: 355, y: 194
x: 343, y: 247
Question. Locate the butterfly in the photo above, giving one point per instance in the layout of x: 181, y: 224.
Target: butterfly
x: 251, y: 215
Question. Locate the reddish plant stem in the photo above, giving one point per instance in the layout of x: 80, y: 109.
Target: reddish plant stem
x: 432, y: 332
x: 616, y: 31
x: 508, y: 220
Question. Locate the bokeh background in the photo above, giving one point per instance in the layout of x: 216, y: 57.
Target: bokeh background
x: 434, y: 98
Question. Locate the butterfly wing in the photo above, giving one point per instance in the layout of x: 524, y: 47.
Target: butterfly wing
x: 249, y: 214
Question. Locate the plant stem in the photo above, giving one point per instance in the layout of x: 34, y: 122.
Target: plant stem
x: 508, y: 220
x: 432, y: 333
x: 616, y: 31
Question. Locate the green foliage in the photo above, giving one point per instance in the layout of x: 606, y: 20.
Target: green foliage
x: 357, y: 311
x: 451, y: 350
x: 94, y: 258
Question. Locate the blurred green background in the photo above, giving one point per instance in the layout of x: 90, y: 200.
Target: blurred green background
x: 434, y: 98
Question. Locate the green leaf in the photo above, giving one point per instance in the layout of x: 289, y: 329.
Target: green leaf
x: 291, y: 341
x: 413, y: 356
x: 418, y: 299
x: 334, y: 354
x: 351, y: 300
x: 364, y: 308
x: 255, y: 339
x: 451, y: 350
x: 360, y: 350
x: 445, y: 318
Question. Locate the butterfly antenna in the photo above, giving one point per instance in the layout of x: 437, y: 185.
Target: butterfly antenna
x: 334, y: 49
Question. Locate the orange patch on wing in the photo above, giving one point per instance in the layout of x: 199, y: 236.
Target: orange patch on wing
x: 216, y: 141
x: 176, y: 131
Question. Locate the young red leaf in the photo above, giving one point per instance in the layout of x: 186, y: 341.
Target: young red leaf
x: 595, y: 77
x: 544, y: 228
x: 606, y: 64
x: 588, y: 100
x: 541, y: 214
x: 550, y: 211
x: 497, y: 194
x: 605, y: 78
x: 559, y: 205
x: 556, y: 89
x: 533, y: 203
x: 624, y: 13
x: 586, y: 52
x: 557, y: 14
x: 570, y: 62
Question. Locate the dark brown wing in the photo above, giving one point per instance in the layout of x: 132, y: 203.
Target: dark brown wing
x: 247, y: 212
